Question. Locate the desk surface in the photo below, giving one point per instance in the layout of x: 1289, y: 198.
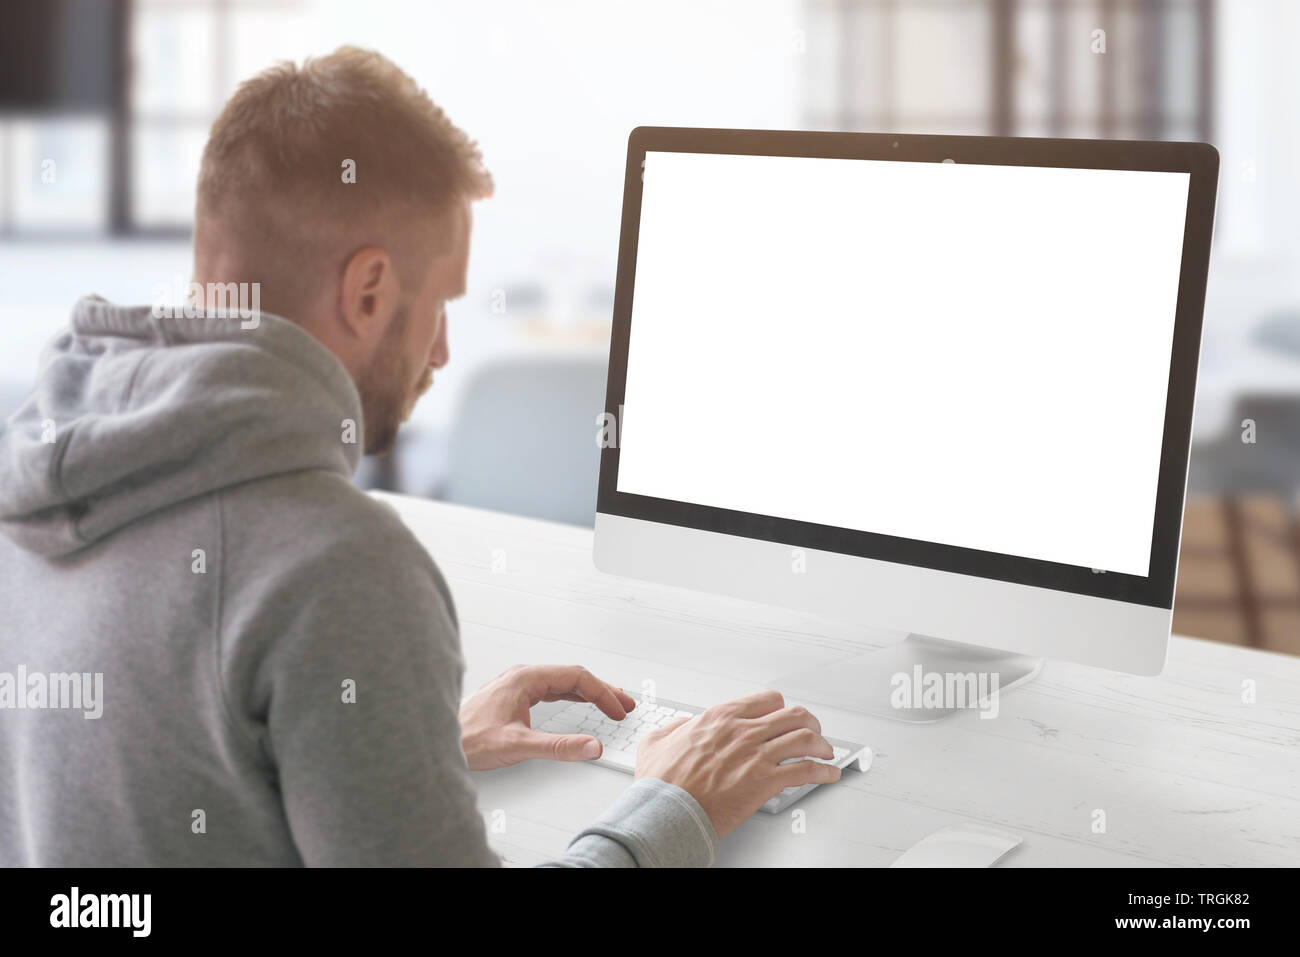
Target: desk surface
x: 1186, y: 773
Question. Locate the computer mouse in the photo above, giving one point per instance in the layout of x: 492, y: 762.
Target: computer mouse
x: 962, y: 845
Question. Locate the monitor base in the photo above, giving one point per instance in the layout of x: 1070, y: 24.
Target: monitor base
x: 919, y: 679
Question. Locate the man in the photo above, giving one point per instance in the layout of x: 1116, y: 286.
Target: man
x: 273, y: 657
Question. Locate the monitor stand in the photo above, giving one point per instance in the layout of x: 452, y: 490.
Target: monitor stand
x: 918, y: 679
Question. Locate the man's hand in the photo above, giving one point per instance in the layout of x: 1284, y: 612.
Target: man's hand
x: 495, y: 728
x: 729, y: 758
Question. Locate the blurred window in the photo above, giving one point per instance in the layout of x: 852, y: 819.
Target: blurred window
x: 129, y: 166
x: 1122, y: 69
x: 187, y: 57
x: 53, y: 175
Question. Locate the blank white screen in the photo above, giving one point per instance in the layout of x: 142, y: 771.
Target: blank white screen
x: 970, y: 355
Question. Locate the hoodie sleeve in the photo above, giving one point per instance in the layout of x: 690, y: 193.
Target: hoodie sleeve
x: 354, y: 696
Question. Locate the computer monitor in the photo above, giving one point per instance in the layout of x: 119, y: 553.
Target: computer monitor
x: 936, y: 384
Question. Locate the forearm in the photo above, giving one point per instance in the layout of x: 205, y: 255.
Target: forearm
x: 652, y: 824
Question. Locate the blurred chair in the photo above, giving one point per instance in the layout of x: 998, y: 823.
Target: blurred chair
x: 1281, y: 332
x: 1269, y: 465
x: 416, y: 465
x: 524, y: 438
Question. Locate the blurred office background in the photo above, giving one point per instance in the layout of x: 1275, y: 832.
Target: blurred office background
x: 105, y: 104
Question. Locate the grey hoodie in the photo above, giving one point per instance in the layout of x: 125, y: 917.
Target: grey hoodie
x: 214, y: 649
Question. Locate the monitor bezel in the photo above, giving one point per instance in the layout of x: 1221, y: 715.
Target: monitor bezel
x: 1199, y: 160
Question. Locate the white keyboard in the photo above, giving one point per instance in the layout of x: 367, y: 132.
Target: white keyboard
x: 620, y: 739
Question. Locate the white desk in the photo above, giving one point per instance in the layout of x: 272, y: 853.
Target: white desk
x: 1186, y: 773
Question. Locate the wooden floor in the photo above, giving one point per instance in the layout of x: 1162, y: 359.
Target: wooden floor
x: 1239, y: 573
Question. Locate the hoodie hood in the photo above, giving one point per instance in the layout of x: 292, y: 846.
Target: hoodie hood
x: 133, y: 413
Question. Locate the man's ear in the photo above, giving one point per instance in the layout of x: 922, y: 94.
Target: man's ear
x: 368, y: 296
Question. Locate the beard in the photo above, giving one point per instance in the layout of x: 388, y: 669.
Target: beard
x: 390, y: 387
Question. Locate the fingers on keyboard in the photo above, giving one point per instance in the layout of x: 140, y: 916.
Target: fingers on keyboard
x: 802, y: 743
x: 798, y: 773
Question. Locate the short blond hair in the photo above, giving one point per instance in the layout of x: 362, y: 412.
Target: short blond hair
x: 274, y: 181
